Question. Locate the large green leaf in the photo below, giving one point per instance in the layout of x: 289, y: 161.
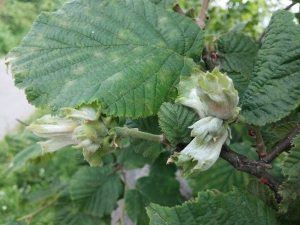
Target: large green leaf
x: 96, y: 190
x: 124, y: 54
x: 290, y: 189
x: 236, y: 53
x: 274, y: 89
x: 67, y: 214
x: 262, y: 192
x: 213, y: 207
x: 174, y: 120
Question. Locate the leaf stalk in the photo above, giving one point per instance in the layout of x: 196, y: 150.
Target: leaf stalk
x: 33, y: 214
x: 129, y: 132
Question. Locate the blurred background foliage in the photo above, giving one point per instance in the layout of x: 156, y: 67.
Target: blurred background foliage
x: 32, y: 182
x: 16, y: 18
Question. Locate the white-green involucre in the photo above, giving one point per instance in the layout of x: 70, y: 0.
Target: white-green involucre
x: 213, y: 97
x: 83, y: 128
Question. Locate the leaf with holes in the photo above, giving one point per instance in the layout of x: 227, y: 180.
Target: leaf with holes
x: 174, y: 120
x: 126, y: 55
x: 274, y: 89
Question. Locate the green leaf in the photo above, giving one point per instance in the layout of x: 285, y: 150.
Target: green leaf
x: 160, y: 188
x: 282, y: 130
x: 236, y: 53
x: 222, y: 175
x: 262, y: 192
x: 174, y: 120
x: 26, y: 148
x: 126, y: 55
x: 290, y: 189
x: 160, y: 164
x: 274, y: 89
x: 145, y: 147
x: 96, y: 190
x: 31, y: 152
x: 164, y: 3
x: 240, y: 82
x: 130, y: 159
x: 41, y: 195
x: 213, y: 207
x: 134, y: 205
x: 67, y: 214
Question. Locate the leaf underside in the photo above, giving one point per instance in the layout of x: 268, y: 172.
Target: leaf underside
x: 274, y: 89
x: 125, y: 55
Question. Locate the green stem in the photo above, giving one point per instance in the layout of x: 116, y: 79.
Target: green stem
x: 33, y: 214
x: 128, y: 132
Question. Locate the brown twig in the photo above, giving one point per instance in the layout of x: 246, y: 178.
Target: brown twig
x: 290, y: 6
x: 255, y: 168
x: 284, y: 144
x: 203, y: 16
